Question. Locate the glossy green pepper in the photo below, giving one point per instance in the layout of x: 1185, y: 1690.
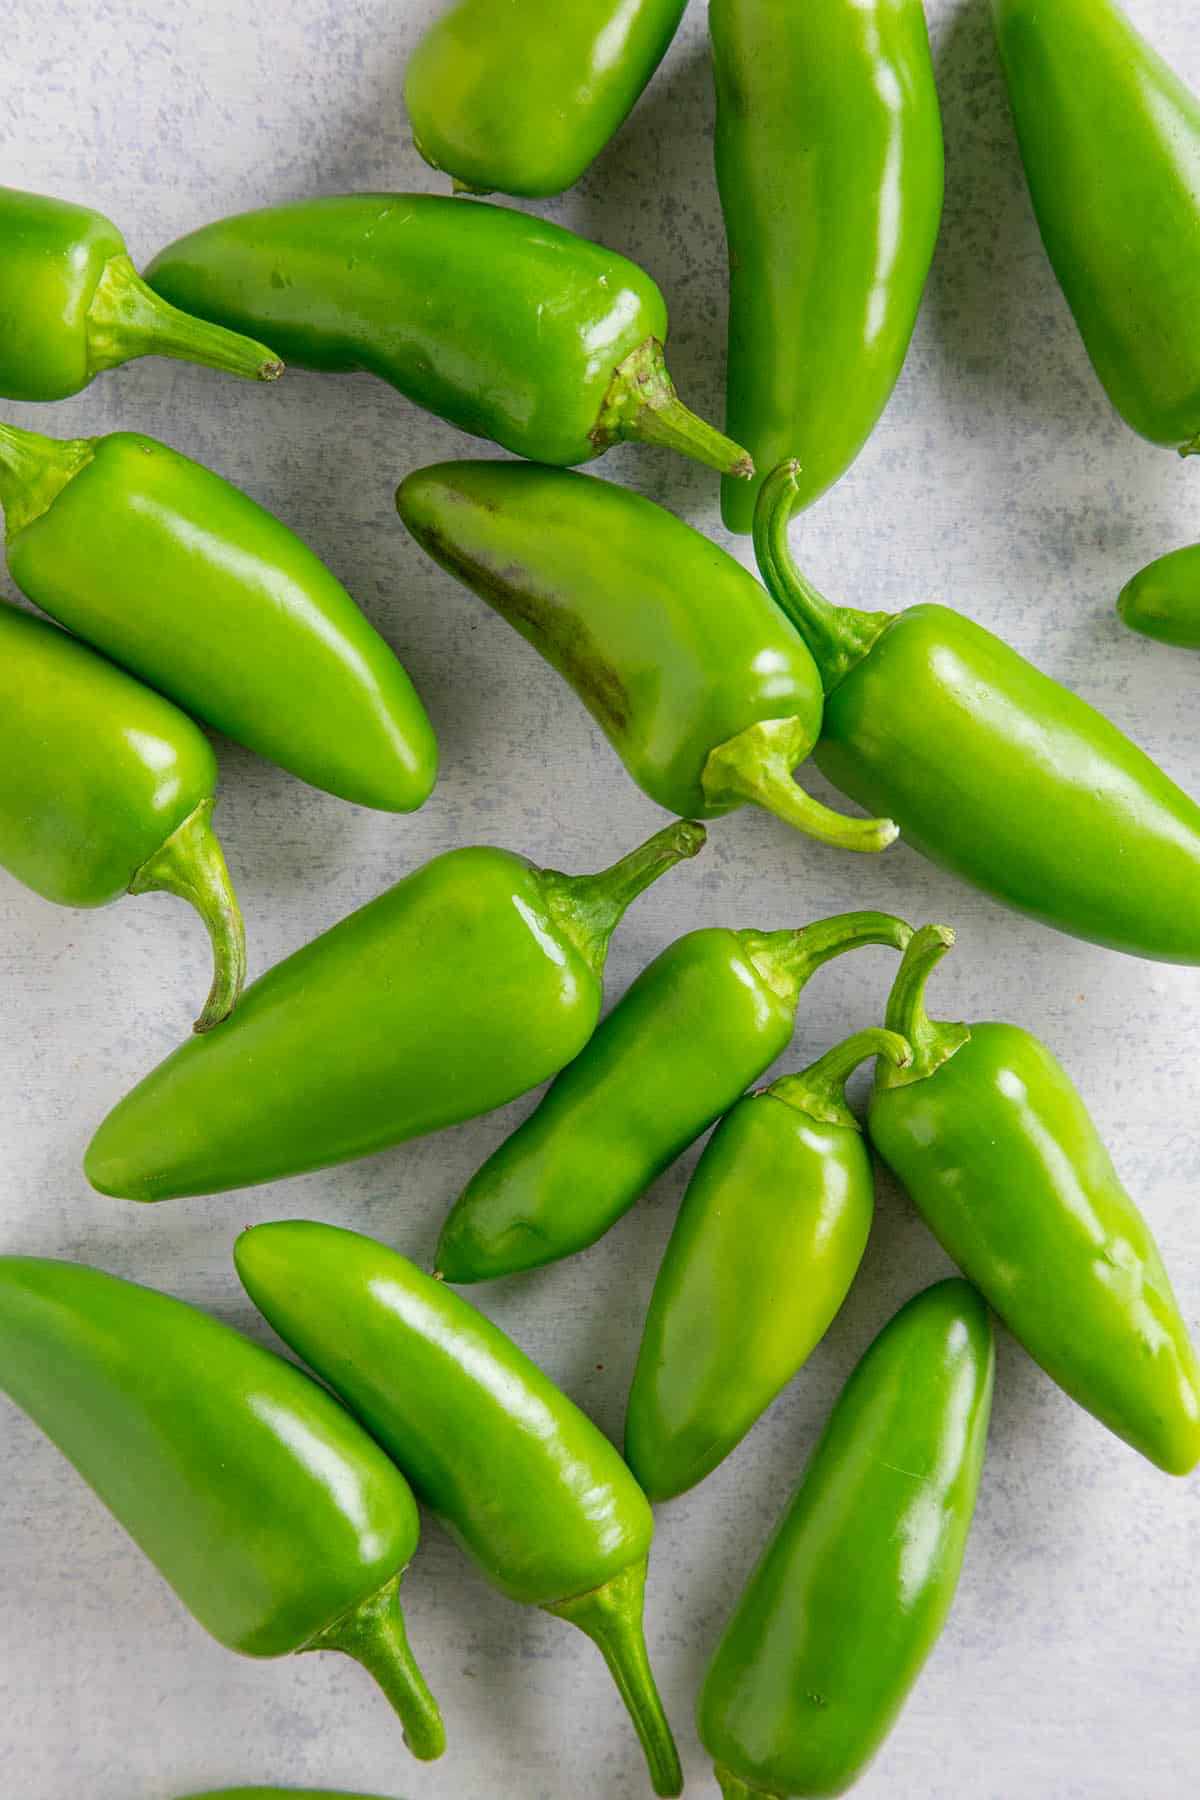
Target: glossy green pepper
x: 992, y: 769
x: 527, y: 1485
x: 1163, y: 599
x: 278, y: 1522
x: 72, y: 303
x: 700, y: 1023
x: 829, y: 164
x: 520, y: 96
x: 204, y: 594
x: 462, y: 986
x: 766, y: 1244
x: 989, y: 1135
x: 852, y: 1591
x: 1110, y: 139
x: 699, y: 683
x: 508, y: 326
x: 107, y: 789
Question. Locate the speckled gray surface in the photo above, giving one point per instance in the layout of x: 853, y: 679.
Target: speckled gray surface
x: 999, y: 479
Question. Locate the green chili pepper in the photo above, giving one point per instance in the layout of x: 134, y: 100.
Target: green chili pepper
x: 699, y: 1024
x: 508, y: 326
x: 702, y: 687
x: 107, y: 789
x: 990, y: 1137
x: 462, y: 986
x: 992, y: 769
x: 278, y: 1522
x: 192, y: 585
x: 72, y: 303
x: 767, y: 1242
x: 829, y: 165
x: 1110, y: 139
x: 1163, y: 599
x: 525, y: 1483
x: 578, y: 74
x: 852, y: 1591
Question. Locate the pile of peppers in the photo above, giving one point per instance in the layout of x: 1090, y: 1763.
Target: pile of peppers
x: 282, y: 1507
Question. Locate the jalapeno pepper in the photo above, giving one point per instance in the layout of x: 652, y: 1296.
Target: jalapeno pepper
x: 107, y: 789
x: 854, y: 1588
x: 578, y: 74
x: 702, y: 687
x: 992, y: 769
x: 525, y: 1483
x: 829, y: 164
x: 72, y: 304
x: 462, y: 986
x: 700, y: 1023
x: 1110, y: 139
x: 767, y: 1242
x: 278, y: 1522
x: 508, y: 326
x: 990, y: 1137
x: 1163, y: 599
x: 188, y: 582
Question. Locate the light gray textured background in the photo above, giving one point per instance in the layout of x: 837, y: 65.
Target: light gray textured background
x: 999, y: 480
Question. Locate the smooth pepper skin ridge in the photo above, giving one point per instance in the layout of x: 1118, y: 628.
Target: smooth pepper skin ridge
x: 510, y: 327
x: 1110, y: 139
x: 72, y: 304
x: 830, y: 170
x: 992, y: 769
x: 527, y: 1485
x: 989, y: 1135
x: 767, y: 1241
x: 578, y: 72
x: 1162, y: 601
x: 854, y: 1588
x: 464, y: 985
x: 107, y: 789
x: 278, y: 1522
x: 705, y: 691
x: 700, y: 1023
x: 185, y: 580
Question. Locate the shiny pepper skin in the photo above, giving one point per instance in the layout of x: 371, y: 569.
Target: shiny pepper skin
x: 107, y: 789
x: 853, y: 1590
x: 989, y: 1135
x: 829, y: 164
x: 526, y: 1484
x: 1110, y: 139
x: 519, y: 96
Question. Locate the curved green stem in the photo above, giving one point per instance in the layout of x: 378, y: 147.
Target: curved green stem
x: 373, y: 1634
x: 191, y: 865
x: 932, y: 1041
x: 587, y: 908
x: 127, y: 318
x: 642, y: 404
x: 756, y: 766
x: 820, y: 1090
x: 33, y: 472
x: 612, y: 1617
x: 837, y: 636
x: 786, y: 959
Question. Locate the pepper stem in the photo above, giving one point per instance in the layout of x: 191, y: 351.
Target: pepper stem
x: 612, y: 1617
x: 373, y: 1634
x: 786, y: 959
x: 191, y: 865
x: 837, y: 636
x: 33, y: 472
x: 933, y: 1042
x: 756, y: 767
x: 820, y: 1090
x: 734, y: 1788
x: 588, y: 908
x: 641, y: 403
x: 127, y: 319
